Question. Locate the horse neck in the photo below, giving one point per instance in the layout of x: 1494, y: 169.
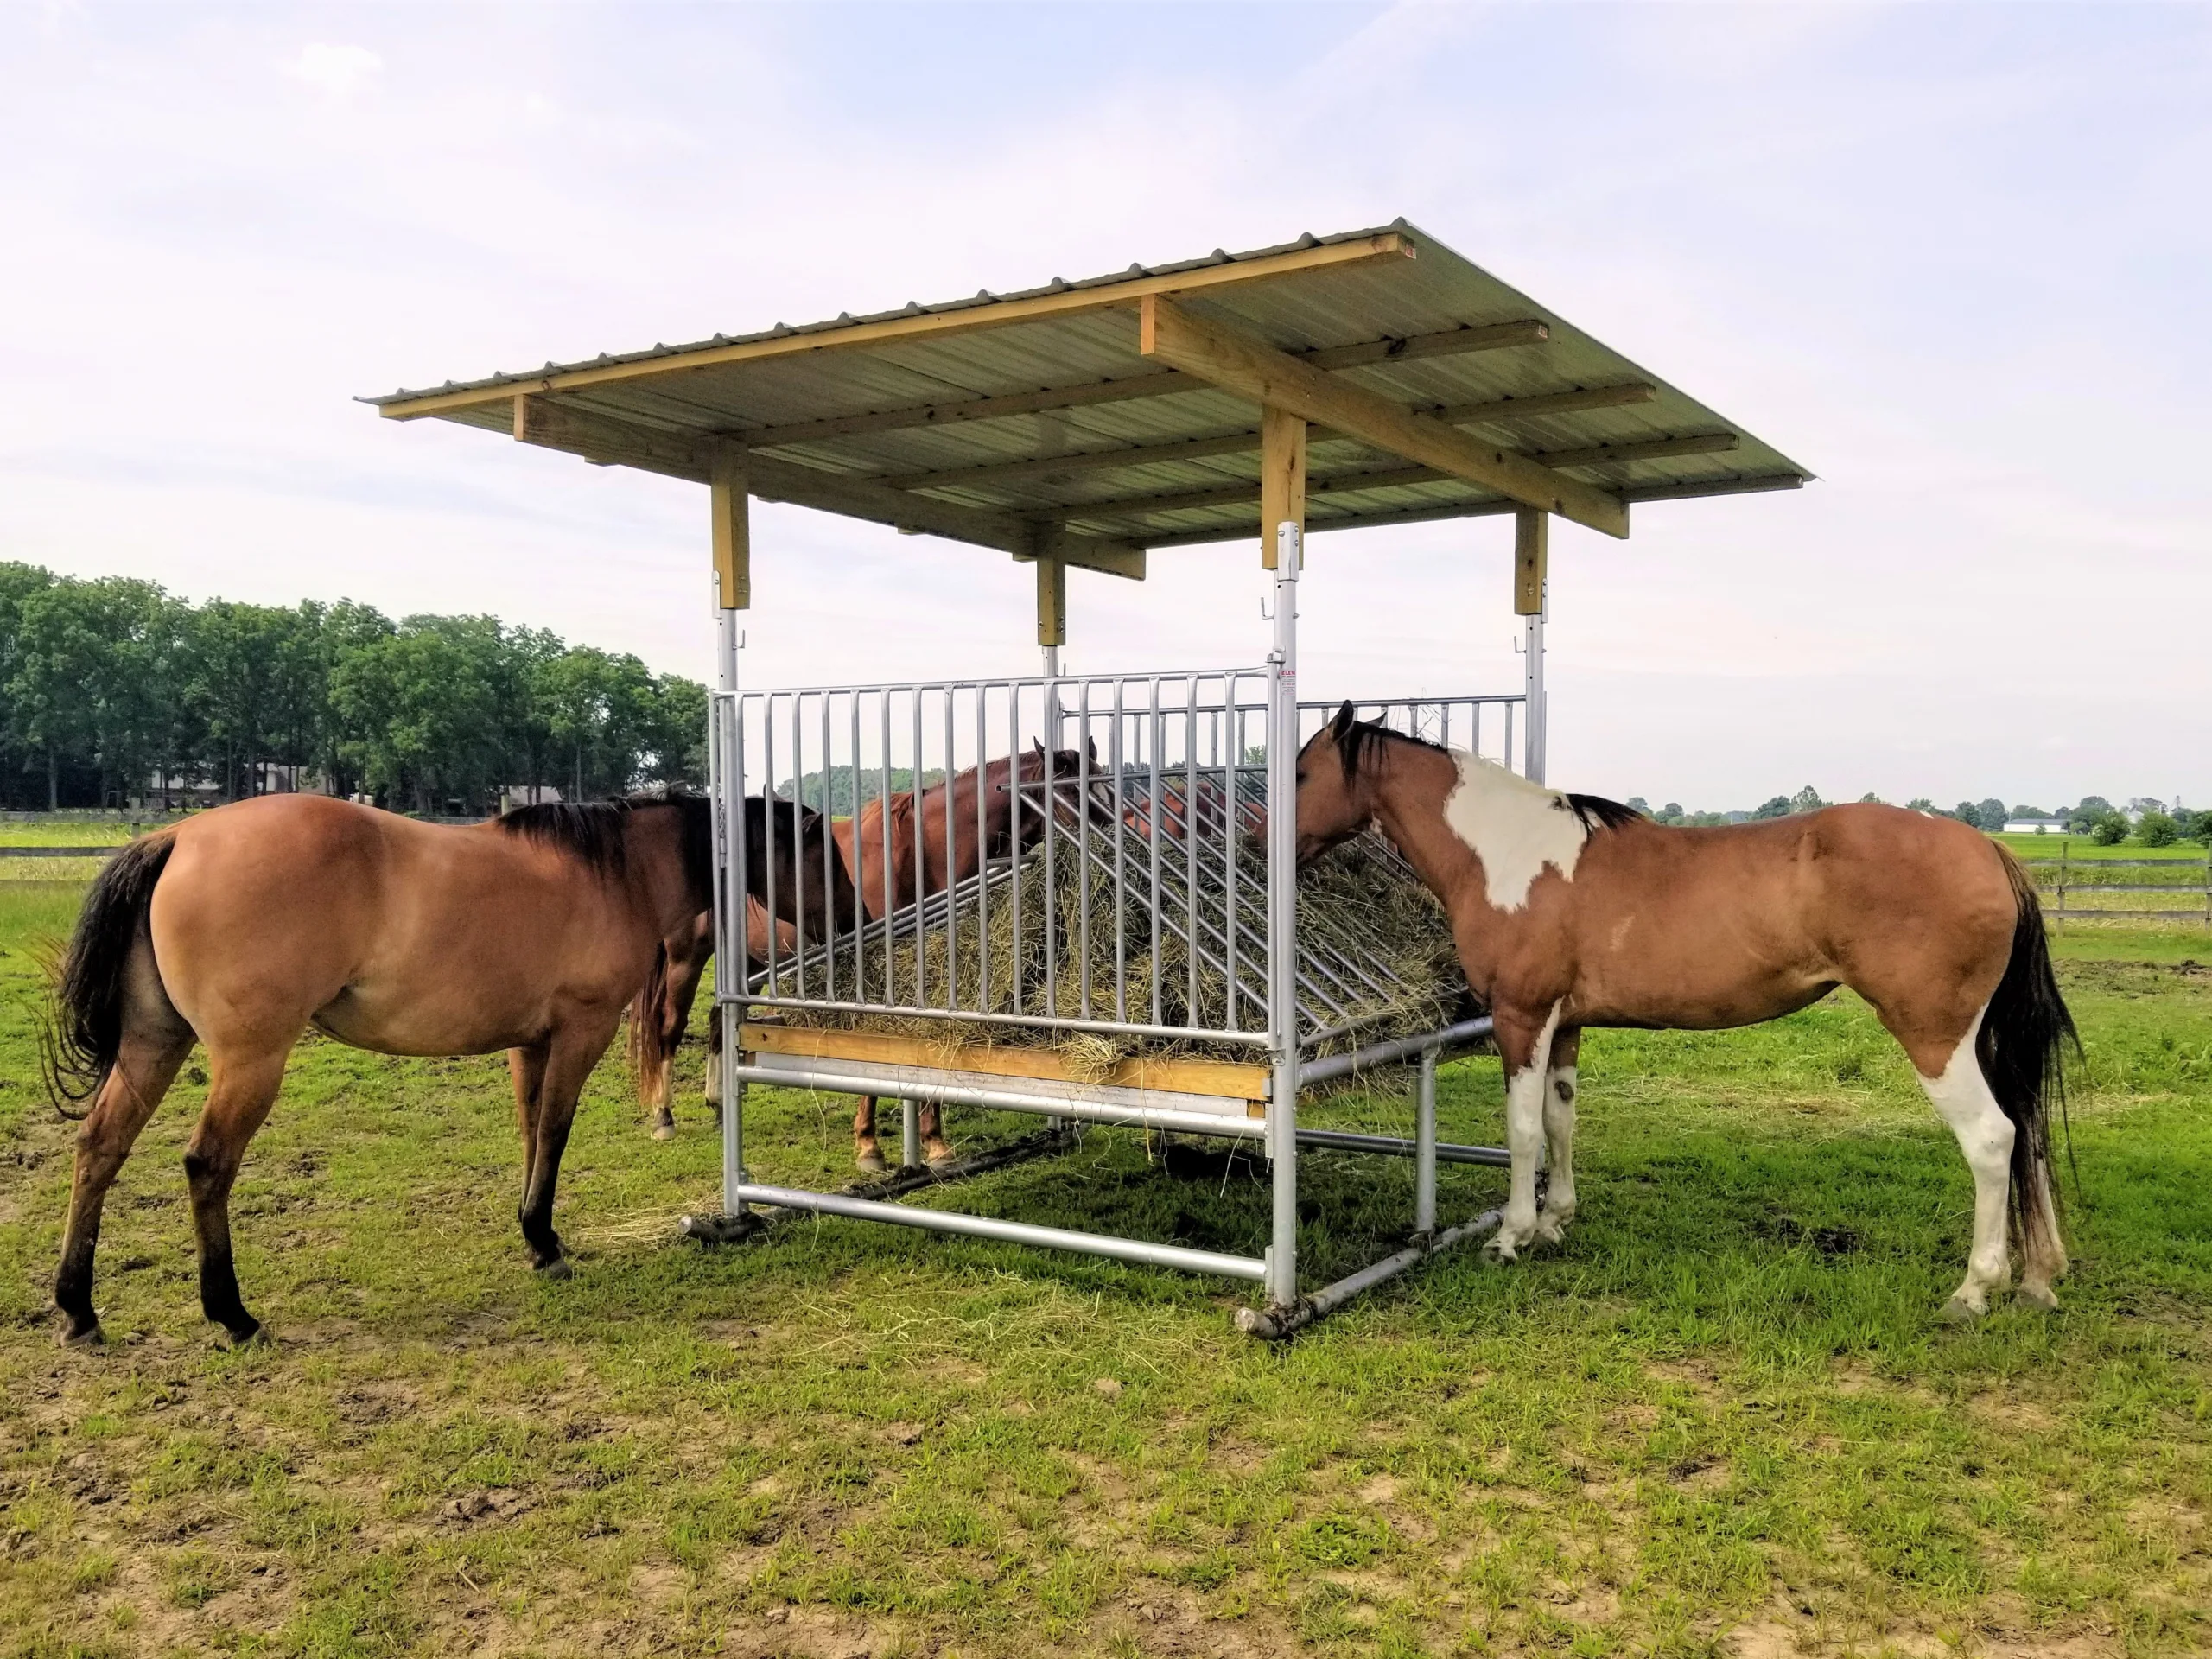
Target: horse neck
x: 653, y: 852
x: 1409, y: 788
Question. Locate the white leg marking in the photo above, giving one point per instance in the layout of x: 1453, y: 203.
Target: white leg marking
x: 1961, y: 1097
x: 1524, y: 1139
x: 1558, y: 1138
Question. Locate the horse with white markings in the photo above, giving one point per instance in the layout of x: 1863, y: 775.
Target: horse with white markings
x: 1570, y: 911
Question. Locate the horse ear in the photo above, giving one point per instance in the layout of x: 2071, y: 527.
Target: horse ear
x: 1345, y: 720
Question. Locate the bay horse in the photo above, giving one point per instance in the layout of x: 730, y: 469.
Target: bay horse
x: 244, y: 926
x: 896, y: 851
x: 1571, y: 910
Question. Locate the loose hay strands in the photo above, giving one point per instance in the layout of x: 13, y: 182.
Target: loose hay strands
x: 1376, y: 956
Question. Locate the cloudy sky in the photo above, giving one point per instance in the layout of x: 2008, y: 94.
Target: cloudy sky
x: 1953, y: 258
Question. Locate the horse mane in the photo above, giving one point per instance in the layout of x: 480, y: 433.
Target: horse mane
x: 591, y: 832
x: 1597, y: 813
x: 1358, y: 740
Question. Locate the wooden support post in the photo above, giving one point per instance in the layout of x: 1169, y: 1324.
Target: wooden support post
x: 733, y: 534
x: 1052, y: 603
x: 1531, y: 537
x: 1282, y: 477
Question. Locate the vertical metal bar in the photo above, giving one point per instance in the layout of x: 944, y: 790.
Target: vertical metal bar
x: 1083, y: 862
x: 1154, y: 736
x: 1425, y: 1146
x: 1282, y: 916
x: 1233, y: 786
x: 1533, y: 721
x: 799, y: 852
x: 768, y: 836
x: 1121, y: 867
x: 951, y: 992
x: 921, y: 859
x: 910, y: 1134
x: 726, y: 753
x: 1050, y: 920
x: 858, y: 866
x: 1191, y: 848
x: 829, y: 853
x: 1014, y: 783
x: 982, y: 847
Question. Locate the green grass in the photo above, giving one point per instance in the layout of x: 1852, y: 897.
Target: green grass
x: 1720, y: 1418
x: 66, y: 832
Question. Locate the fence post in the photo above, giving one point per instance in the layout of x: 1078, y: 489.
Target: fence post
x: 2065, y: 848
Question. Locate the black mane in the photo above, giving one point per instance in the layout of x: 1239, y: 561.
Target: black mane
x: 592, y: 833
x: 1357, y: 742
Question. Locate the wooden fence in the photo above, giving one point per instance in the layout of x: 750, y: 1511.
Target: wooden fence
x: 2067, y: 868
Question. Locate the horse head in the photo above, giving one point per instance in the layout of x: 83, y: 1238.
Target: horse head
x: 1336, y: 790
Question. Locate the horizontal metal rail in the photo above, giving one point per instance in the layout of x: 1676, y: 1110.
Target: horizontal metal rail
x: 1447, y: 1152
x: 1093, y: 1110
x: 1274, y: 1323
x: 1138, y: 1250
x: 1397, y: 1050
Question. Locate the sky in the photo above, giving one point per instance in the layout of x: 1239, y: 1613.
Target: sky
x: 1951, y: 257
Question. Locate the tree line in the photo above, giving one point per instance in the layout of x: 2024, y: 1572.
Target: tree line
x: 114, y: 692
x: 2146, y: 820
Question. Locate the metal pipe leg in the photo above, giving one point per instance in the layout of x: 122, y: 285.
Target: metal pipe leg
x: 733, y: 1113
x: 910, y: 1134
x: 1425, y: 1147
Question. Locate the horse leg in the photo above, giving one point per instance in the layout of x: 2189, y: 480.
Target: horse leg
x: 569, y: 1057
x: 1559, y: 1136
x: 866, y: 1154
x: 1524, y: 1045
x: 2044, y: 1251
x: 936, y: 1151
x: 243, y: 1088
x: 1961, y: 1097
x: 142, y: 1075
x: 715, y: 1062
x: 527, y: 1071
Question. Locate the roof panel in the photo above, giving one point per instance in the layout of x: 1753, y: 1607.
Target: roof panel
x: 871, y: 399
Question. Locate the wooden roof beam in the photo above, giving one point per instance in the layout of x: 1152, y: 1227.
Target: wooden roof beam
x: 917, y: 324
x: 1158, y: 383
x: 1321, y: 488
x: 596, y: 437
x: 1234, y: 360
x: 1500, y: 411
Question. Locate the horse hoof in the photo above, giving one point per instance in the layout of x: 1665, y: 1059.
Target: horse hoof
x: 869, y: 1162
x: 664, y: 1131
x: 74, y: 1335
x: 558, y: 1268
x: 2037, y: 1296
x: 1503, y: 1250
x: 254, y: 1335
x: 1959, y: 1310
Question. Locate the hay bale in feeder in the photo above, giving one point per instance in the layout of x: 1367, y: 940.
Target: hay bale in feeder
x: 1376, y: 956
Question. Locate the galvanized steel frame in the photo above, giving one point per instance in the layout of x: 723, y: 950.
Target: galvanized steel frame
x: 1285, y: 1014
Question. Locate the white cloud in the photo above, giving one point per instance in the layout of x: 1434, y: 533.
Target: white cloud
x: 338, y: 70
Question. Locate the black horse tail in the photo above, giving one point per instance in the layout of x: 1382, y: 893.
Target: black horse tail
x: 83, y: 1031
x: 2022, y: 1047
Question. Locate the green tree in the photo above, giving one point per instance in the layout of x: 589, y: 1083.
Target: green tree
x: 1807, y: 799
x: 2083, y: 819
x: 1671, y: 813
x: 1777, y: 808
x: 2157, y: 829
x: 1967, y: 812
x: 1991, y: 814
x: 2110, y: 828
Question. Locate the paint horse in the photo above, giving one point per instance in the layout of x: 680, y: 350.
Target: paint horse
x: 897, y: 852
x: 243, y: 927
x: 1571, y: 912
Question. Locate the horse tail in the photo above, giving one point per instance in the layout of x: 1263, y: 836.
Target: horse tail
x: 82, y: 1032
x: 649, y: 1045
x: 2022, y: 1047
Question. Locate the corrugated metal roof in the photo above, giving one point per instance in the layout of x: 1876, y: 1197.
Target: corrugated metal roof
x: 1072, y: 424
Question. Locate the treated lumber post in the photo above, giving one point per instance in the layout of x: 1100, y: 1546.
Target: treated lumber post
x: 1052, y: 603
x: 732, y: 530
x: 1282, y: 478
x: 1531, y: 546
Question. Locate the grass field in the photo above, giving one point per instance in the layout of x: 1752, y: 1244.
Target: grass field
x: 1720, y: 1418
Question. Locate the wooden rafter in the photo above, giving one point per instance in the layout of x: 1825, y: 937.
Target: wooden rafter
x: 1237, y: 360
x: 918, y: 324
x: 1500, y: 411
x: 598, y: 437
x: 1239, y: 491
x: 1157, y: 383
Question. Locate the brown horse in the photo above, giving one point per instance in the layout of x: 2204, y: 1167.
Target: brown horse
x: 896, y: 851
x: 1570, y: 911
x: 244, y: 926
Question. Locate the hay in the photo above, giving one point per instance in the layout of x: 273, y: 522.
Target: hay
x: 1375, y: 943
